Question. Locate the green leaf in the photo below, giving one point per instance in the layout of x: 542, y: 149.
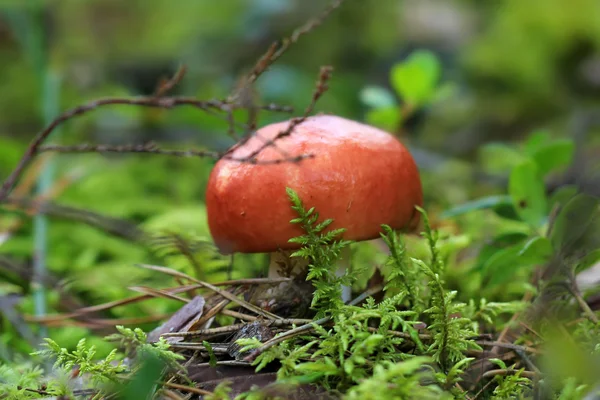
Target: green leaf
x: 562, y: 196
x: 378, y: 97
x: 506, y: 211
x: 536, y: 140
x: 573, y: 222
x: 386, y: 118
x: 212, y: 359
x: 479, y: 204
x: 416, y: 78
x: 498, y: 158
x: 327, y: 367
x: 591, y: 259
x: 557, y: 154
x: 528, y: 193
x: 506, y: 263
x: 498, y: 362
x: 537, y: 247
x: 502, y: 265
x: 143, y: 384
x: 498, y: 243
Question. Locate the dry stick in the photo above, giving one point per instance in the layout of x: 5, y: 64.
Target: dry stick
x: 464, y: 392
x: 158, y: 293
x: 166, y: 85
x: 505, y: 372
x: 111, y: 304
x: 151, y: 148
x: 207, y: 285
x: 480, y: 392
x: 582, y: 303
x: 99, y: 323
x: 171, y: 395
x: 218, y: 348
x: 212, y: 312
x: 225, y: 362
x: 509, y: 346
x: 228, y: 328
x: 251, y: 318
x: 253, y: 281
x: 148, y: 296
x: 239, y: 315
x: 185, y: 388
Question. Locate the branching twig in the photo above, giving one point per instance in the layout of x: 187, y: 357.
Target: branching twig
x: 243, y: 95
x: 155, y: 102
x: 159, y: 101
x: 276, y: 50
x: 151, y: 148
x: 506, y: 372
x: 166, y: 85
x: 321, y: 87
x: 215, y: 289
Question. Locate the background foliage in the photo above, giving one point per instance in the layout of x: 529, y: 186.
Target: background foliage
x: 498, y: 100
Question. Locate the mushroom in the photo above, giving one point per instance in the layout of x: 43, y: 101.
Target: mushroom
x: 358, y: 175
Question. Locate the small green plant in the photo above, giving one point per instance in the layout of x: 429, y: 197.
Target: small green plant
x: 510, y: 385
x: 322, y: 251
x: 103, y: 375
x: 537, y: 227
x: 374, y: 338
x: 27, y: 381
x: 398, y: 381
x: 415, y: 81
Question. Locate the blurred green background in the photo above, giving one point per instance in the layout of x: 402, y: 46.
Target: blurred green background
x: 509, y: 68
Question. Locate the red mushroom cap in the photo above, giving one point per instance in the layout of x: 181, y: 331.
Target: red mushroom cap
x: 360, y: 176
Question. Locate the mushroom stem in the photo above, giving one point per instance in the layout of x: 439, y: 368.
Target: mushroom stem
x: 283, y: 265
x: 344, y: 264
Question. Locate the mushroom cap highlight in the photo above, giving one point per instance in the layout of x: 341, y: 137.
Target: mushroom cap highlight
x: 360, y: 176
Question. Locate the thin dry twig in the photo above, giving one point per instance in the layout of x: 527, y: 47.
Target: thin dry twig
x: 152, y: 148
x: 277, y: 49
x: 284, y: 336
x: 158, y: 293
x: 253, y: 281
x: 320, y: 89
x: 505, y: 372
x: 159, y: 101
x: 207, y: 285
x: 511, y: 346
x: 237, y: 327
x: 244, y: 94
x: 185, y: 388
x: 154, y: 102
x: 111, y: 304
x: 166, y: 85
